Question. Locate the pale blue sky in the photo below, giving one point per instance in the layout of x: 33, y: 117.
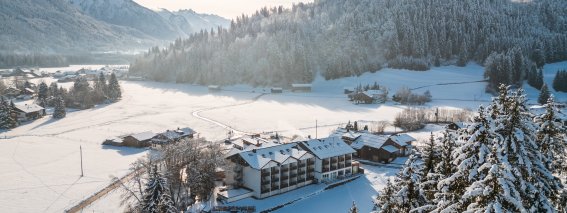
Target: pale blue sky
x: 225, y: 8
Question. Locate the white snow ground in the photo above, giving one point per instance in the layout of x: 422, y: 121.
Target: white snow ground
x: 40, y: 160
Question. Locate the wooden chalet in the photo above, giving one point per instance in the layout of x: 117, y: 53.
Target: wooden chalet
x: 138, y: 140
x: 374, y: 148
x: 403, y: 142
x: 27, y: 112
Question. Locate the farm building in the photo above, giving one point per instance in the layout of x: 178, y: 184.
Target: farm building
x: 301, y: 87
x: 138, y: 140
x: 276, y: 90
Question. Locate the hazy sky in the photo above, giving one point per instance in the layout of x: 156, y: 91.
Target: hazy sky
x: 225, y: 8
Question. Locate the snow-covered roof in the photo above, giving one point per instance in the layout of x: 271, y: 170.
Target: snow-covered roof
x: 402, y: 139
x: 142, y: 136
x: 351, y: 135
x: 258, y: 158
x: 186, y: 131
x: 370, y: 140
x: 214, y: 87
x: 328, y: 147
x: 277, y: 88
x: 390, y: 148
x: 172, y: 135
x: 301, y: 85
x: 28, y: 108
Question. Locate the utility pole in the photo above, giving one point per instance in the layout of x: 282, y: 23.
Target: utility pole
x: 316, y: 129
x: 81, y: 149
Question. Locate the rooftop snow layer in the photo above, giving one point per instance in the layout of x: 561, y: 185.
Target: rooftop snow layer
x: 328, y: 147
x: 402, y: 139
x: 370, y: 140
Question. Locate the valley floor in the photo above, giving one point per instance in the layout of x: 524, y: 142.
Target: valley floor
x: 40, y: 161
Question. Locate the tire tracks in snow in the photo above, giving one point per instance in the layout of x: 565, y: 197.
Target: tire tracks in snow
x: 196, y: 114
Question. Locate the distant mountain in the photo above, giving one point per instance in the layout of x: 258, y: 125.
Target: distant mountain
x: 162, y: 25
x: 55, y: 26
x: 128, y: 13
x: 191, y: 22
x: 63, y: 26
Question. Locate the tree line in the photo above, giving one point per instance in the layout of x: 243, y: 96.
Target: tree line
x: 336, y: 38
x: 507, y: 160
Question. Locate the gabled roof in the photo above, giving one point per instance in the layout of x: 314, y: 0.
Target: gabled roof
x: 186, y: 131
x: 144, y: 136
x: 402, y: 139
x: 28, y: 108
x: 351, y: 135
x: 327, y: 147
x: 171, y: 135
x: 370, y: 140
x: 258, y: 158
x: 372, y: 93
x: 390, y: 148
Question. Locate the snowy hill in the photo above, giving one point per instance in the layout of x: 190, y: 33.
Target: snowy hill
x: 189, y: 21
x: 55, y: 26
x: 63, y: 26
x: 163, y: 24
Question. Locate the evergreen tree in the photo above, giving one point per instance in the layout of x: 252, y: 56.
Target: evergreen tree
x: 42, y: 94
x: 409, y: 196
x: 560, y: 81
x: 551, y: 140
x: 157, y: 198
x: 59, y: 109
x: 114, y: 92
x: 431, y: 156
x: 355, y: 126
x: 543, y: 95
x: 515, y: 130
x: 100, y: 87
x: 9, y: 120
x: 353, y: 209
x: 497, y: 191
x: 386, y: 201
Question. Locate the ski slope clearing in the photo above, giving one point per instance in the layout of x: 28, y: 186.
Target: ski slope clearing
x: 41, y: 165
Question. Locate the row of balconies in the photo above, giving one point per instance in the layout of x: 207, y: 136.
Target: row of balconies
x: 267, y: 187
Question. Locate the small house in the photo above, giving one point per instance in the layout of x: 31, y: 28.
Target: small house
x: 171, y: 136
x: 455, y: 126
x: 403, y: 142
x: 138, y: 140
x: 361, y: 98
x: 27, y: 112
x: 373, y: 148
x: 214, y: 88
x: 276, y: 90
x: 349, y: 90
x: 301, y: 87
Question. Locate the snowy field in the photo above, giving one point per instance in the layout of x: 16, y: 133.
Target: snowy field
x: 40, y: 160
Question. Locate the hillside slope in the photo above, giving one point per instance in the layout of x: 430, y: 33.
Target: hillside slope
x: 337, y: 38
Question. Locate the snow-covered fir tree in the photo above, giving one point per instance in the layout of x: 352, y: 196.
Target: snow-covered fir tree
x: 516, y: 131
x: 353, y: 208
x: 497, y: 191
x: 42, y: 94
x: 7, y: 118
x: 408, y: 196
x: 430, y: 155
x: 157, y: 198
x: 385, y: 202
x: 544, y: 94
x: 114, y: 92
x: 59, y: 108
x: 470, y: 155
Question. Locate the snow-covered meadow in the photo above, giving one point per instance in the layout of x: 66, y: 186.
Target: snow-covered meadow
x: 40, y: 160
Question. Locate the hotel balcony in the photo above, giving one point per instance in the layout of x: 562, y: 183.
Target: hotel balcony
x: 302, y: 164
x: 301, y: 172
x: 293, y: 167
x: 292, y: 183
x: 265, y: 190
x: 275, y: 187
x: 348, y: 157
x: 285, y: 177
x: 275, y: 170
x: 333, y: 160
x: 275, y: 179
x: 285, y: 169
x: 333, y: 168
x: 284, y: 185
x: 326, y: 162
